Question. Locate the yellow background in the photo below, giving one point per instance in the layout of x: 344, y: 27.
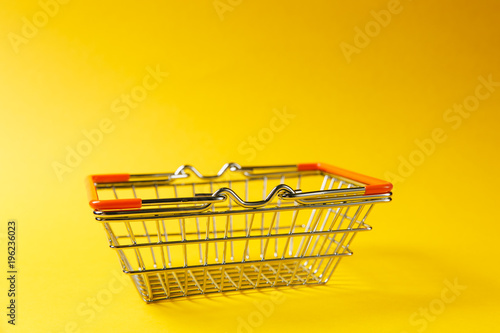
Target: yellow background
x: 225, y: 78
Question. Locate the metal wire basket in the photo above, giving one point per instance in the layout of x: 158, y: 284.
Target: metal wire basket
x: 181, y: 233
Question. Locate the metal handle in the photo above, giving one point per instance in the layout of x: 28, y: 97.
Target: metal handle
x: 372, y: 185
x: 369, y: 186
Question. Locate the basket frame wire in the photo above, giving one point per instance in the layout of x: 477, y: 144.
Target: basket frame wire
x: 286, y: 238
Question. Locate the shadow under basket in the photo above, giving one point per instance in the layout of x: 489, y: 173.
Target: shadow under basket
x: 182, y: 233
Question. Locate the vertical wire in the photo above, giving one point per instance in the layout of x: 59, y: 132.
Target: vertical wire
x: 198, y: 227
x: 358, y: 211
x: 215, y: 226
x: 114, y: 191
x: 167, y: 284
x: 311, y: 273
x: 226, y: 231
x: 183, y: 236
x: 207, y: 233
x: 348, y: 227
x: 197, y: 284
x: 311, y: 233
x: 327, y: 215
x: 327, y: 266
x: 247, y: 251
x: 289, y: 239
x: 264, y: 192
x: 176, y: 278
x: 361, y: 223
x: 146, y: 231
x: 182, y: 225
x: 282, y: 181
x: 230, y: 205
x: 268, y: 238
x: 159, y: 234
x: 248, y: 237
x: 294, y: 273
x: 184, y: 250
x: 311, y: 218
x: 147, y: 280
x: 140, y: 262
x: 165, y: 234
x: 334, y: 220
x: 332, y: 241
x: 121, y: 253
x: 353, y: 220
x: 259, y: 274
x: 128, y: 227
x: 299, y: 178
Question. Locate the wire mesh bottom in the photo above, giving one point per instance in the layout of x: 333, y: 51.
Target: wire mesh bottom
x: 176, y: 283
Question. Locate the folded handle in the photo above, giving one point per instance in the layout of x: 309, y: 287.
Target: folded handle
x: 372, y: 185
x: 94, y: 201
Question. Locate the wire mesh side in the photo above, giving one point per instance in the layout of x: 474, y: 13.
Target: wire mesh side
x: 220, y: 239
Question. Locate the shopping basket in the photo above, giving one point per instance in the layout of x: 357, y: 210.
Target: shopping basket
x: 182, y: 233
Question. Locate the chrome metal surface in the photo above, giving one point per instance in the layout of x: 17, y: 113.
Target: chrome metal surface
x: 241, y: 228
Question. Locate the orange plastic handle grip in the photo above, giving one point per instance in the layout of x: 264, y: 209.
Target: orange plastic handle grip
x: 372, y: 185
x: 94, y: 201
